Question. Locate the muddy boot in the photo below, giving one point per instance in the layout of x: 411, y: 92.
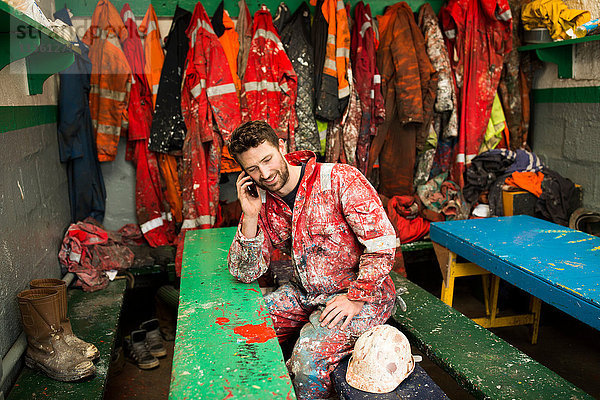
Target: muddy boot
x: 153, y: 338
x: 137, y: 350
x: 87, y: 349
x: 47, y: 350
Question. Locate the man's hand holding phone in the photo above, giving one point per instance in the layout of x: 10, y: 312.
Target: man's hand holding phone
x: 250, y: 203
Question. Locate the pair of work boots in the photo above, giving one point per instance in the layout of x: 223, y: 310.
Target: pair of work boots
x: 145, y: 345
x: 51, y: 345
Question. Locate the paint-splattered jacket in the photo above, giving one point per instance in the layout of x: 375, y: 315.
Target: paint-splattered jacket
x: 339, y: 235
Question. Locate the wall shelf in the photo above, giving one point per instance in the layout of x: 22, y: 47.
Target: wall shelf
x: 559, y: 52
x: 45, y: 52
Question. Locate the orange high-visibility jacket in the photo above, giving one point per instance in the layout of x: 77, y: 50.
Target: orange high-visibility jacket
x: 153, y: 50
x: 110, y: 81
x: 337, y: 55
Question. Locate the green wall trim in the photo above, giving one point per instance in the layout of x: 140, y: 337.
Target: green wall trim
x: 13, y: 118
x: 165, y: 8
x: 585, y: 94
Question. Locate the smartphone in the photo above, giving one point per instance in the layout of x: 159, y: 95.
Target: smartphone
x: 252, y: 191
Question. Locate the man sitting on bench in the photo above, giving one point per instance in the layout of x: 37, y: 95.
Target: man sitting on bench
x: 331, y: 220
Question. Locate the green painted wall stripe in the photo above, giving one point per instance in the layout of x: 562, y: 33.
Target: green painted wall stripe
x: 13, y: 118
x: 586, y: 94
x: 165, y: 8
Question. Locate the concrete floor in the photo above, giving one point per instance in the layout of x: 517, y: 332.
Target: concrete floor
x: 565, y: 345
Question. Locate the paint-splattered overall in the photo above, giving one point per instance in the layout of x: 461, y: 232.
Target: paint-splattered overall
x: 341, y: 241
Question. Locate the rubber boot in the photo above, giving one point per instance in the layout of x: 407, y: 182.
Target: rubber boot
x: 47, y: 350
x: 87, y: 349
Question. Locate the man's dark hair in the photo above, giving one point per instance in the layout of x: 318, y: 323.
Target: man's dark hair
x: 251, y: 134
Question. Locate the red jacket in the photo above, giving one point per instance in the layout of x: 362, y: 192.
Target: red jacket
x: 208, y: 95
x: 364, y: 66
x: 480, y: 33
x: 340, y: 237
x: 270, y: 83
x: 149, y: 201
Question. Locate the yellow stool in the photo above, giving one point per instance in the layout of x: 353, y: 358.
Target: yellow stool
x: 451, y: 269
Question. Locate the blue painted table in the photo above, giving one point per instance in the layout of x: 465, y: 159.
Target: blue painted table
x: 558, y: 265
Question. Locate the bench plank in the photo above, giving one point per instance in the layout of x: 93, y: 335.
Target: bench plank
x: 95, y: 318
x: 558, y: 265
x: 482, y: 363
x: 416, y: 246
x: 225, y: 345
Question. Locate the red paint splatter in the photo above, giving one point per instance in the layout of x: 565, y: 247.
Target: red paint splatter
x: 289, y: 396
x: 253, y: 290
x: 255, y: 333
x: 229, y: 395
x: 222, y: 320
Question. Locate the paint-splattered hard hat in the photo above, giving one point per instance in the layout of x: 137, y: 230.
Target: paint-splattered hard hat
x: 381, y: 360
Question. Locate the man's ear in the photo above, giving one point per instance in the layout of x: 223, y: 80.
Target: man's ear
x: 282, y: 146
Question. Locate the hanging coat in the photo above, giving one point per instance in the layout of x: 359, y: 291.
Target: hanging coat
x: 343, y: 134
x: 408, y: 84
x: 282, y: 17
x: 150, y: 209
x: 368, y: 81
x: 153, y: 51
x: 225, y: 30
x: 334, y: 91
x: 168, y: 126
x: 208, y: 96
x: 270, y: 83
x: 295, y: 37
x: 243, y: 27
x: 76, y: 146
x: 110, y: 81
x: 155, y: 57
x: 479, y: 32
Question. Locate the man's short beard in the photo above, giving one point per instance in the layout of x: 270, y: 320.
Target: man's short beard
x: 284, y: 174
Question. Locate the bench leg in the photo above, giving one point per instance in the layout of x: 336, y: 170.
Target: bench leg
x: 447, y: 261
x: 494, y: 299
x: 535, y: 306
x: 485, y: 283
x: 448, y: 290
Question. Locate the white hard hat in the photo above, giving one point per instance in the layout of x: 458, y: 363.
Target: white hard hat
x: 381, y: 360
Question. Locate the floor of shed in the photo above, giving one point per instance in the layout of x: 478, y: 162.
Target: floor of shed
x: 565, y: 345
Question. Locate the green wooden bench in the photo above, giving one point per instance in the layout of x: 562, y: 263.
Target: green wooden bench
x: 481, y: 362
x: 416, y: 246
x: 95, y: 319
x: 225, y: 346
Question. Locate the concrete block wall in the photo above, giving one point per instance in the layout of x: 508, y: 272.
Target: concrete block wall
x: 567, y: 138
x: 566, y: 121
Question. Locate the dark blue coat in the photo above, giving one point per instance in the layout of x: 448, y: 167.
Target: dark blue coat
x: 75, y: 138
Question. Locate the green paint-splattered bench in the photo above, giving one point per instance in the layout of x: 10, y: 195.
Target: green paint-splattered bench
x: 95, y: 319
x: 558, y: 265
x: 479, y: 361
x: 225, y: 345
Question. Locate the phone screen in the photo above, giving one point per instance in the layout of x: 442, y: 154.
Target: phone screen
x: 252, y: 190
